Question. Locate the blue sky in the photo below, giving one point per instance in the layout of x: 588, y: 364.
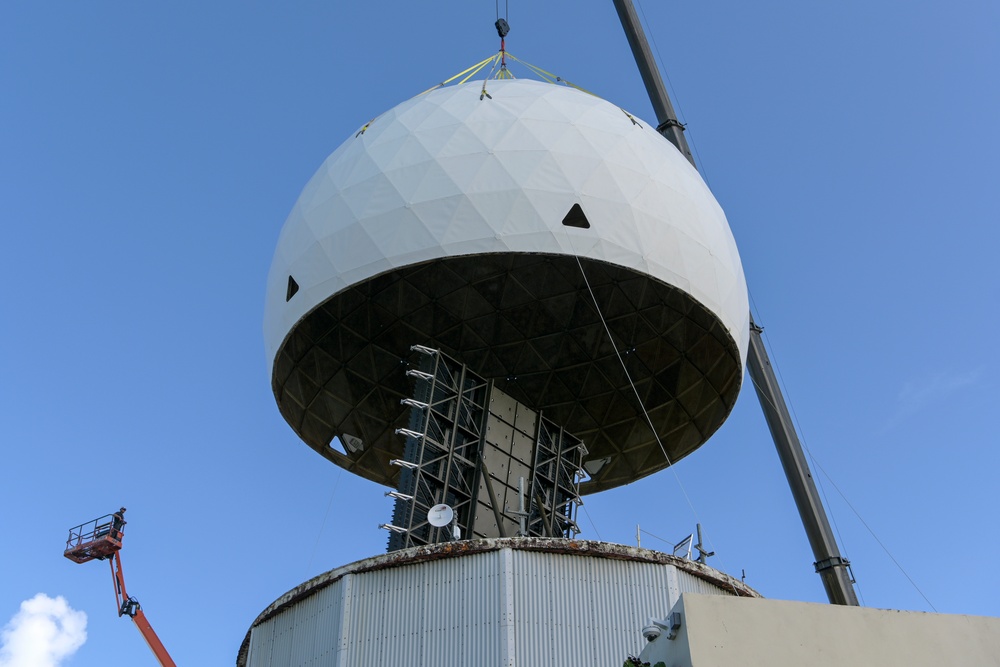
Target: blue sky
x: 149, y: 155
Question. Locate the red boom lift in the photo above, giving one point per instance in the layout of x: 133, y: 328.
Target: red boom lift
x: 101, y: 539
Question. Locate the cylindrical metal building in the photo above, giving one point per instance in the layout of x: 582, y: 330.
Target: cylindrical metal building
x: 514, y: 601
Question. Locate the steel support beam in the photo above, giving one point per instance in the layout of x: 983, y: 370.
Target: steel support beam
x: 831, y: 566
x: 669, y: 126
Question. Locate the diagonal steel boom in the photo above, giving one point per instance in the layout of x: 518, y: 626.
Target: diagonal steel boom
x: 831, y: 566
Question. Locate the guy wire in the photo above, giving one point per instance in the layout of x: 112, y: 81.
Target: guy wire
x: 638, y: 398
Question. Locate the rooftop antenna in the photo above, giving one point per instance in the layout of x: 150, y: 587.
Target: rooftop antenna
x: 683, y: 548
x: 703, y: 555
x: 521, y: 514
x: 440, y: 515
x: 833, y: 568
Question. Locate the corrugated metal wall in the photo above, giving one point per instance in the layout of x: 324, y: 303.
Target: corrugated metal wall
x: 505, y: 607
x: 304, y: 634
x: 415, y: 614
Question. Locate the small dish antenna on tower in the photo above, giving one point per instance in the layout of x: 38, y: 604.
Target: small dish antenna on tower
x: 440, y: 516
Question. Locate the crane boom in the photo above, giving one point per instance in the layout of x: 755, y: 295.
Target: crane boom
x: 831, y: 566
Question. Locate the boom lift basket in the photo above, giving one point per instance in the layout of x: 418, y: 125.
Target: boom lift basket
x: 97, y: 539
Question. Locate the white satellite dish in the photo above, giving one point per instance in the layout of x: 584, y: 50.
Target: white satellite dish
x: 440, y: 515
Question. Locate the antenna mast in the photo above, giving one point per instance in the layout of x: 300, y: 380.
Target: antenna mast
x: 831, y: 566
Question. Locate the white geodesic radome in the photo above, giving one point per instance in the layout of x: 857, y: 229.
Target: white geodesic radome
x: 453, y: 209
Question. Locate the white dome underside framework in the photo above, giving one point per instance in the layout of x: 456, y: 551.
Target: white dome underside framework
x: 451, y: 222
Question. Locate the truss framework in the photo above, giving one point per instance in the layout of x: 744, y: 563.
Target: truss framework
x: 473, y: 447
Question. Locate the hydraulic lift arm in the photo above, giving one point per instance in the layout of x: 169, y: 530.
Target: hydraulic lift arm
x: 129, y: 606
x: 101, y: 539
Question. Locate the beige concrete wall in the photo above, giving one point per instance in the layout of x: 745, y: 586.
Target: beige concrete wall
x: 726, y: 632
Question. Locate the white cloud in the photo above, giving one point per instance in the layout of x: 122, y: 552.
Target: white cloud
x: 43, y: 633
x: 924, y: 393
x: 915, y: 396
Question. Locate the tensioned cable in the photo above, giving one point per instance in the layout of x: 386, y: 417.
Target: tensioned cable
x: 680, y: 113
x: 592, y: 524
x: 499, y: 59
x: 694, y: 147
x: 548, y: 76
x: 804, y: 442
x: 494, y: 59
x: 322, y: 526
x: 475, y: 68
x: 674, y: 544
x: 628, y: 375
x: 805, y: 445
x: 656, y: 536
x: 638, y: 398
x: 886, y: 550
x: 826, y: 500
x: 704, y: 173
x: 841, y: 493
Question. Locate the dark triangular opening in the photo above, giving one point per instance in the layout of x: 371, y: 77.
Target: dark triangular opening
x: 576, y: 218
x: 293, y: 287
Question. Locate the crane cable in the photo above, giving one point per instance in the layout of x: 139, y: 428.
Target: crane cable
x: 503, y: 27
x: 645, y: 413
x: 830, y: 479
